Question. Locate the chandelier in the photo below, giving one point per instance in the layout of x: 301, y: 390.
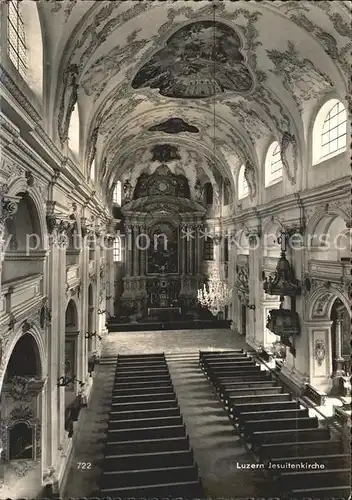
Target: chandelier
x: 215, y: 295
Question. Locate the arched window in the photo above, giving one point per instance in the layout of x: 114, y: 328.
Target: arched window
x: 73, y: 131
x: 273, y: 165
x: 116, y: 198
x: 24, y: 43
x: 92, y: 171
x: 329, y: 131
x: 116, y: 251
x: 16, y: 37
x: 242, y: 184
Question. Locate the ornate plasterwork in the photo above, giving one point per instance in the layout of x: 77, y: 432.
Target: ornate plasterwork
x: 174, y: 126
x: 300, y: 76
x: 250, y: 176
x: 319, y: 351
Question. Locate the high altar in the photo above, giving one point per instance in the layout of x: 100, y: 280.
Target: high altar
x: 163, y: 245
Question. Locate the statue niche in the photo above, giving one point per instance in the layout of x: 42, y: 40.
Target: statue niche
x: 163, y: 250
x: 162, y: 183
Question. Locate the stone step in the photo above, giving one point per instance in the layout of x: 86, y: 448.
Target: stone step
x: 147, y: 446
x: 121, y: 479
x: 143, y: 423
x: 145, y: 414
x: 299, y: 449
x: 252, y: 426
x: 263, y: 406
x: 115, y: 435
x: 190, y: 489
x: 290, y: 435
x: 145, y: 405
x: 325, y: 493
x: 134, y: 398
x: 148, y: 460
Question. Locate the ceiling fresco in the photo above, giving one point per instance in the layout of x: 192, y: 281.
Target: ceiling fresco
x: 140, y: 70
x: 174, y: 126
x: 200, y: 60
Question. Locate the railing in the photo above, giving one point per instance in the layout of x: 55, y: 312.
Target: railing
x: 317, y: 397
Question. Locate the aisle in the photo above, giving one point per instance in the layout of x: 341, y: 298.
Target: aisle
x: 217, y: 449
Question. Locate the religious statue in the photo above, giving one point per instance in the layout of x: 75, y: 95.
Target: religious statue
x: 127, y: 191
x: 249, y: 174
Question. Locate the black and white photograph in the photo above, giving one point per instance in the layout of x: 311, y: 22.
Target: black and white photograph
x: 175, y: 249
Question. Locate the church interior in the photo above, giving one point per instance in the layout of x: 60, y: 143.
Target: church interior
x: 175, y: 236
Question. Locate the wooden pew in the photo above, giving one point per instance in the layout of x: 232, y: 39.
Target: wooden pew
x: 144, y: 423
x: 148, y: 460
x: 123, y: 377
x: 184, y: 489
x: 153, y: 413
x: 289, y: 435
x: 135, y: 398
x: 156, y: 389
x: 258, y: 398
x: 299, y: 448
x: 271, y: 414
x: 145, y: 405
x: 143, y: 384
x: 325, y: 493
x: 269, y: 388
x: 289, y: 480
x: 335, y: 461
x: 263, y: 406
x: 146, y: 433
x: 253, y: 426
x: 120, y: 479
x: 146, y: 446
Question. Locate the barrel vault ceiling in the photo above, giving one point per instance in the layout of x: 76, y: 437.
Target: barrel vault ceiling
x: 218, y: 80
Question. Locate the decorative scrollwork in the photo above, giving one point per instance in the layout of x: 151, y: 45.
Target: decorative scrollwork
x: 319, y: 351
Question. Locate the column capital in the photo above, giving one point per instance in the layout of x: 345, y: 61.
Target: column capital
x: 8, y: 206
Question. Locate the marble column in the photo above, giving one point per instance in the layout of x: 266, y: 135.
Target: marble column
x: 128, y: 251
x: 338, y: 371
x: 135, y: 252
x: 183, y: 249
x: 143, y: 251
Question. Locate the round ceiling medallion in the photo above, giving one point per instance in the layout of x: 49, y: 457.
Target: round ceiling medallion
x: 162, y: 186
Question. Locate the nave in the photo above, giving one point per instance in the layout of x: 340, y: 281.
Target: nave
x: 210, y: 390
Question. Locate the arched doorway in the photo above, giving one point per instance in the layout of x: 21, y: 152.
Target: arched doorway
x: 21, y: 419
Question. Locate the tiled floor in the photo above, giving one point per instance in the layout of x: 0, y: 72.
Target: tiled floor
x: 216, y: 446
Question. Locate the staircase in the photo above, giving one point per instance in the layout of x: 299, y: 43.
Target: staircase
x: 147, y: 452
x: 278, y: 429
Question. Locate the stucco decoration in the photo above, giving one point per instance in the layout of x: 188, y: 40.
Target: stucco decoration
x: 68, y: 101
x: 319, y: 351
x: 185, y: 67
x: 106, y: 67
x: 300, y: 76
x: 288, y: 152
x: 250, y: 176
x: 174, y: 126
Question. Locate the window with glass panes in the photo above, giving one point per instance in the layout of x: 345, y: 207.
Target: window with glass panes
x: 276, y: 164
x: 334, y: 133
x: 16, y: 37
